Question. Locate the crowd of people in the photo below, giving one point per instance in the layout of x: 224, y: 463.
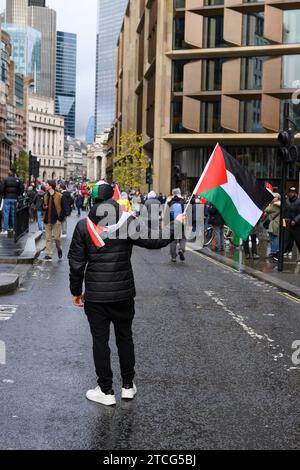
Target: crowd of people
x: 51, y: 203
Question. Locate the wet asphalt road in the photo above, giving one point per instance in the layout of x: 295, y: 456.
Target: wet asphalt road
x: 214, y: 367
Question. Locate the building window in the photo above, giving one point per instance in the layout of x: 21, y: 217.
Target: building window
x: 290, y: 71
x: 291, y: 30
x: 178, y: 35
x: 253, y: 30
x: 212, y: 74
x: 213, y: 32
x: 176, y: 117
x: 250, y: 116
x: 178, y: 66
x: 210, y: 120
x: 251, y: 73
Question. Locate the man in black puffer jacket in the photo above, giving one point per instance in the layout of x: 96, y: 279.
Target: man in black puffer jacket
x: 292, y: 216
x: 11, y: 189
x: 100, y: 255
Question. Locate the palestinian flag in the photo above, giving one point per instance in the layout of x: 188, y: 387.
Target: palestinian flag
x: 234, y: 192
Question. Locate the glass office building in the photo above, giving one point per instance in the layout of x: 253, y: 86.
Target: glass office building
x: 110, y: 17
x: 89, y: 135
x: 65, y: 99
x: 26, y: 51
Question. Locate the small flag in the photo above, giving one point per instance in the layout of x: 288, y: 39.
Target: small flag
x: 269, y: 186
x: 235, y: 193
x: 95, y: 231
x: 117, y: 193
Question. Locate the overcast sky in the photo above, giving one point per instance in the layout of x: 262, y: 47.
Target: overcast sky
x: 80, y: 17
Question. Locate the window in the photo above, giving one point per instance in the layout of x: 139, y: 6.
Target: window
x: 251, y: 73
x: 291, y: 30
x: 250, y: 116
x: 210, y: 120
x: 213, y: 32
x: 291, y: 71
x: 253, y: 30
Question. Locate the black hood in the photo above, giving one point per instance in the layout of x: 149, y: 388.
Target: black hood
x: 113, y: 212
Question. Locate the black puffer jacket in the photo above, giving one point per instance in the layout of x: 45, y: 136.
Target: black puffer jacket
x: 11, y: 188
x: 292, y: 210
x: 107, y: 272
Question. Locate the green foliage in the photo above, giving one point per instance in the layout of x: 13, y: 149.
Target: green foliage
x: 131, y: 162
x: 21, y: 166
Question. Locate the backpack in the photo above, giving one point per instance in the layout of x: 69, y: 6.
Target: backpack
x: 175, y: 210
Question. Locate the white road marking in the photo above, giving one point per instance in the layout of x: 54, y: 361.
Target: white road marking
x: 2, y: 353
x: 288, y: 296
x: 277, y: 351
x: 7, y: 311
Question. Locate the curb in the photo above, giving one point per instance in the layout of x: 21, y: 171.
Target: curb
x: 29, y: 254
x: 8, y: 283
x: 280, y: 284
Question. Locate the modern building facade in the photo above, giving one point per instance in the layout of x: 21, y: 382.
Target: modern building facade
x: 26, y: 51
x: 44, y: 20
x: 97, y: 157
x: 46, y: 137
x: 192, y: 73
x: 65, y: 99
x: 75, y: 158
x: 110, y: 16
x: 89, y: 135
x: 16, y: 12
x: 13, y: 108
x: 22, y: 14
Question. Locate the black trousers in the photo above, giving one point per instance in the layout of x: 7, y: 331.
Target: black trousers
x: 254, y: 245
x: 292, y: 234
x: 100, y: 317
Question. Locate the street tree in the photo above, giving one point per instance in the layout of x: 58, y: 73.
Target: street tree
x: 21, y: 166
x: 130, y: 162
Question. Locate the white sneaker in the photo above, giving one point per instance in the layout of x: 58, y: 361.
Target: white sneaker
x: 4, y: 233
x: 64, y: 235
x: 98, y: 396
x: 129, y: 393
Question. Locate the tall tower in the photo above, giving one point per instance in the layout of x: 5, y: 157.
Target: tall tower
x: 44, y: 20
x: 16, y: 12
x: 110, y: 16
x: 65, y: 99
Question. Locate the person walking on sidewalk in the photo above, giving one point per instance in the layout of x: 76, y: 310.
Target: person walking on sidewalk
x: 79, y: 202
x: 175, y: 208
x: 54, y: 215
x: 100, y: 257
x: 11, y: 189
x: 67, y: 202
x: 253, y: 237
x: 292, y: 216
x: 217, y: 222
x: 273, y: 213
x: 38, y: 204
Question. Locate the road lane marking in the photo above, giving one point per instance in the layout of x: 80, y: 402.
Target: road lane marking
x: 213, y: 261
x: 2, y: 353
x: 277, y: 351
x: 296, y: 300
x: 7, y: 311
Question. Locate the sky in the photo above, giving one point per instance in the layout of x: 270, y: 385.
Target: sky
x: 79, y: 17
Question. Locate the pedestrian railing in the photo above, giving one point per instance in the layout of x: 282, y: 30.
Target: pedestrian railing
x: 21, y: 218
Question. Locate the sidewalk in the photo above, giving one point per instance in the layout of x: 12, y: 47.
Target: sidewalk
x: 17, y: 258
x: 264, y: 269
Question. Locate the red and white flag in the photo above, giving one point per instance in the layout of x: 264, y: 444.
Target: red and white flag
x: 117, y: 193
x: 95, y: 233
